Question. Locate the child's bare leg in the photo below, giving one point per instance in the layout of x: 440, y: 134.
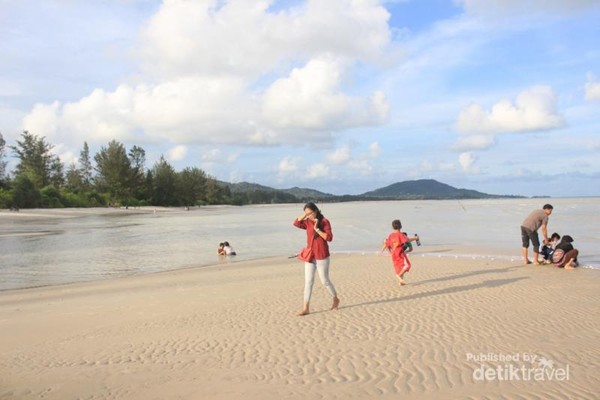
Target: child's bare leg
x: 400, y: 280
x: 400, y: 277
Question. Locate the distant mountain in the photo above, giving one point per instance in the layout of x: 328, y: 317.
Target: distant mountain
x: 300, y: 193
x: 425, y: 189
x: 243, y: 187
x: 308, y: 194
x: 407, y: 190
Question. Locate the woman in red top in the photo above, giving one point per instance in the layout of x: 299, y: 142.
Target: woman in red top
x: 318, y: 234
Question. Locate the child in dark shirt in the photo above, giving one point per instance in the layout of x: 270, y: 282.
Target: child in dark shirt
x: 547, y: 249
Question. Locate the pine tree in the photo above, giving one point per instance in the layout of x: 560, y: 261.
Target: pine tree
x: 85, y: 167
x: 36, y: 161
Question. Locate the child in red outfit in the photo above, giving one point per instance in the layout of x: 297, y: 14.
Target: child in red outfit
x: 397, y: 243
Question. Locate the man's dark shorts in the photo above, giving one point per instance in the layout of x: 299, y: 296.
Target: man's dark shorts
x: 527, y: 235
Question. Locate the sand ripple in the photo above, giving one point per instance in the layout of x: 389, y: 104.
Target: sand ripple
x: 232, y: 333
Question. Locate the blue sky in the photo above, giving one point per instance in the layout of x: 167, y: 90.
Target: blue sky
x: 501, y: 96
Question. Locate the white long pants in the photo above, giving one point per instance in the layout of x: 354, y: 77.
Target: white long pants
x: 322, y: 267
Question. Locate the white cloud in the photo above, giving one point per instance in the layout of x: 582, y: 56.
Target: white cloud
x: 533, y: 110
x: 343, y: 159
x: 217, y: 156
x: 242, y: 38
x: 311, y: 98
x: 66, y: 156
x: 308, y: 98
x: 592, y: 88
x: 340, y: 155
x: 188, y: 110
x: 475, y: 142
x: 212, y: 156
x: 467, y: 162
x: 362, y: 166
x: 319, y: 170
x: 177, y: 153
x: 374, y: 150
x: 236, y: 73
x: 378, y: 107
x: 288, y: 165
x: 43, y: 120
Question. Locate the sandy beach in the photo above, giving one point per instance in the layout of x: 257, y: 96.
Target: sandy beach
x: 461, y: 328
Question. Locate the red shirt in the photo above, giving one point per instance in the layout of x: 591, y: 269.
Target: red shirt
x: 319, y: 246
x: 395, y: 242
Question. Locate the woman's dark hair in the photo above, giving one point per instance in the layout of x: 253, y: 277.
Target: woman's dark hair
x: 567, y: 239
x: 313, y: 207
x: 396, y: 224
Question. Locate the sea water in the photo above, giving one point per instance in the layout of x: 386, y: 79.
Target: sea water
x: 63, y: 246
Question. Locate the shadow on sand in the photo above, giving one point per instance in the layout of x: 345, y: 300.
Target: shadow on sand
x: 466, y: 275
x: 455, y: 289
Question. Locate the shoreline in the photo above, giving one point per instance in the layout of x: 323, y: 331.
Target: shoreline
x: 441, y: 252
x: 231, y: 332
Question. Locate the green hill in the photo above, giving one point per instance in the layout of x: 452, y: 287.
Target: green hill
x: 425, y: 189
x: 305, y: 194
x: 407, y: 190
x: 243, y: 187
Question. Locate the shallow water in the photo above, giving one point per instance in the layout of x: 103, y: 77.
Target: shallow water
x: 62, y: 246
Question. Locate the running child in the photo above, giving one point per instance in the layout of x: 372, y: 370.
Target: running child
x: 396, y: 244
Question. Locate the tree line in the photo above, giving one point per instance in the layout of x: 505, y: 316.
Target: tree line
x: 111, y: 177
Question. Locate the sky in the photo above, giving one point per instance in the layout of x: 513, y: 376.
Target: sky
x: 342, y: 96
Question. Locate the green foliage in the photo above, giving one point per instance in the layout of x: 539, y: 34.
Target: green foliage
x: 95, y: 199
x: 266, y: 197
x: 114, y: 170
x: 36, y: 162
x: 137, y: 159
x: 215, y: 194
x: 70, y: 199
x: 25, y: 194
x: 163, y: 184
x: 74, y: 179
x: 190, y: 186
x: 51, y: 197
x: 120, y: 180
x: 6, y: 198
x: 85, y: 167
